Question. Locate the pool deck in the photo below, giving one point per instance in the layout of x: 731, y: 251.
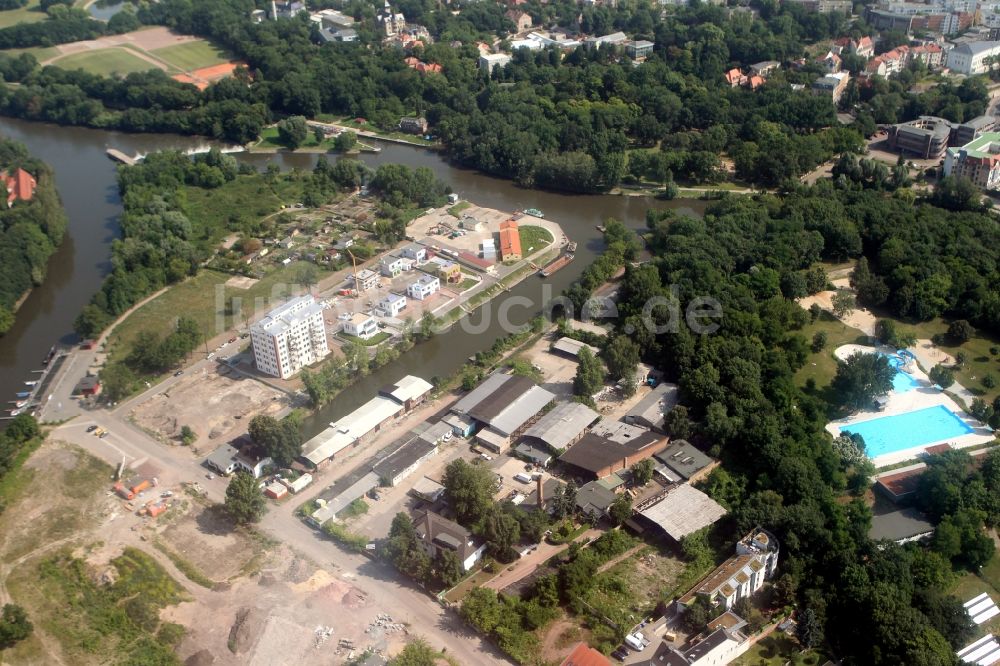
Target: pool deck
x: 923, y: 396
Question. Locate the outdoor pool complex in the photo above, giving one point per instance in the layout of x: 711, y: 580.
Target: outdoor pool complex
x: 902, y: 381
x: 889, y: 434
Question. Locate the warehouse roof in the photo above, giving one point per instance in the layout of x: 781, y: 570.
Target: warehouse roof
x: 617, y: 431
x: 682, y: 457
x: 409, y: 387
x: 900, y: 525
x: 655, y: 405
x: 594, y: 453
x: 404, y: 457
x: 573, y: 347
x: 684, y: 510
x: 533, y: 454
x: 342, y: 493
x: 563, y: 424
x: 350, y: 428
x: 477, y: 395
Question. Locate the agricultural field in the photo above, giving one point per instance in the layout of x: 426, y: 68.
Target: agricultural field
x: 191, y: 55
x: 114, y: 61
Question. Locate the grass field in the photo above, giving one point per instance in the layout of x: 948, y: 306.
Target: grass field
x: 30, y: 13
x: 196, y: 298
x: 777, y: 650
x: 105, y: 62
x: 822, y: 366
x: 534, y: 238
x: 192, y: 55
x: 970, y: 585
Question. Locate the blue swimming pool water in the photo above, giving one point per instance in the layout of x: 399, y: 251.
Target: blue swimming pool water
x: 903, y: 431
x: 901, y: 381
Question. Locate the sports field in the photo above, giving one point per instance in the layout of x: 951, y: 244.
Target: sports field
x: 191, y: 55
x: 106, y: 62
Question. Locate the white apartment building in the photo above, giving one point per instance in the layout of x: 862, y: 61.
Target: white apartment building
x: 391, y: 265
x: 365, y: 279
x: 423, y: 287
x: 289, y: 337
x: 361, y: 326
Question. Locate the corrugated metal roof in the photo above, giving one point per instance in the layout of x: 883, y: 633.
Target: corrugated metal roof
x: 480, y: 393
x: 563, y: 424
x: 345, y: 497
x: 655, y: 404
x: 349, y: 429
x: 409, y: 387
x: 521, y: 410
x: 684, y: 510
x: 573, y: 347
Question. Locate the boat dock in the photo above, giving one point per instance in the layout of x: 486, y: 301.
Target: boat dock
x: 119, y: 156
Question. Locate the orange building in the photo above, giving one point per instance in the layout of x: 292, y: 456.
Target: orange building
x: 20, y: 185
x: 510, y: 241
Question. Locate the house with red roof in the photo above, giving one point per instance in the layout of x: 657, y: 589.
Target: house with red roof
x: 584, y: 655
x: 510, y: 241
x: 20, y: 186
x: 735, y: 77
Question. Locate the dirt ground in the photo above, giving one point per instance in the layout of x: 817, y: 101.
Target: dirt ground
x: 268, y: 606
x: 147, y: 39
x: 561, y: 636
x: 216, y: 406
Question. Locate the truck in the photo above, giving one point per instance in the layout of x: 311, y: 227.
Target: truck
x: 522, y: 477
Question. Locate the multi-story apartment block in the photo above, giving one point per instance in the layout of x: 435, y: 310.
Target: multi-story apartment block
x: 289, y: 337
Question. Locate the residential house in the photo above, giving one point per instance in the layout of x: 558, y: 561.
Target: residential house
x: 361, y: 326
x: 423, y: 287
x: 20, y: 185
x: 584, y: 655
x: 831, y: 85
x: 831, y: 62
x: 520, y: 19
x: 764, y: 68
x: 490, y: 61
x: 931, y: 55
x: 439, y: 534
x: 639, y: 49
x: 365, y: 280
x: 735, y: 77
x: 863, y: 47
x: 422, y: 67
x: 223, y: 459
x: 390, y: 265
x: 594, y: 499
x: 413, y: 125
x: 449, y: 271
x: 416, y: 252
x: 251, y: 459
x: 391, y: 305
x: 391, y: 22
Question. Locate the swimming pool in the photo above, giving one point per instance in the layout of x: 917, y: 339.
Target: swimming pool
x: 902, y: 381
x: 889, y: 434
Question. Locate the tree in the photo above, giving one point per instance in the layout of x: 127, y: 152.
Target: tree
x: 188, y: 435
x: 482, y: 609
x: 589, y: 377
x: 621, y: 509
x: 405, y: 550
x: 642, y: 472
x: 942, y: 376
x: 501, y: 531
x: 417, y: 653
x: 809, y: 630
x: 861, y: 378
x: 960, y: 331
x: 14, y: 626
x: 292, y: 131
x: 345, y: 141
x: 843, y: 303
x: 677, y: 422
x: 622, y: 357
x: 818, y: 342
x: 957, y: 193
x: 469, y: 490
x: 244, y: 501
x: 280, y: 440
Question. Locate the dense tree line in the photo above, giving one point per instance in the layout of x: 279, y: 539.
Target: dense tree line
x: 30, y: 231
x: 570, y: 123
x: 871, y: 604
x: 64, y: 25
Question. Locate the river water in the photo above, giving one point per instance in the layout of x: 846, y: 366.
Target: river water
x: 85, y: 178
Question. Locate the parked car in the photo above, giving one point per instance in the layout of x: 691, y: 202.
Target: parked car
x: 104, y: 434
x: 178, y: 373
x: 92, y: 428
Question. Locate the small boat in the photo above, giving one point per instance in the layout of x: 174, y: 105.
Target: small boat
x: 600, y: 227
x: 534, y: 212
x: 48, y: 357
x: 30, y: 383
x: 571, y: 247
x: 20, y: 403
x: 15, y: 412
x: 23, y: 394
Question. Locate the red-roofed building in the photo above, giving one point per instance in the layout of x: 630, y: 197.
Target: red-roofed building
x: 422, y: 67
x: 510, y: 241
x: 929, y: 54
x: 755, y: 82
x: 584, y: 655
x: 735, y: 77
x: 20, y: 186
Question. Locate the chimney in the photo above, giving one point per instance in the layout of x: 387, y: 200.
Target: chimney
x: 541, y: 493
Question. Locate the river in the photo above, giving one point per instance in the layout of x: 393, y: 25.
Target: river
x: 85, y: 178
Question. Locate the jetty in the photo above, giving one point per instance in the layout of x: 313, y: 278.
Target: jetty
x: 119, y: 156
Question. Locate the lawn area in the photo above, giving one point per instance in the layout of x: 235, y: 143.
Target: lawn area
x: 197, y: 298
x: 30, y: 13
x: 41, y: 53
x: 821, y: 367
x: 192, y: 55
x: 777, y: 650
x: 534, y: 238
x: 269, y: 141
x: 377, y: 339
x: 457, y: 593
x: 457, y: 209
x: 980, y: 359
x: 105, y: 62
x: 970, y: 585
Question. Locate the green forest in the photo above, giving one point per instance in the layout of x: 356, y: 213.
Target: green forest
x: 30, y: 231
x: 584, y: 122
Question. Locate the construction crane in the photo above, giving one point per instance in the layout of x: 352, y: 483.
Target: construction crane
x: 354, y: 264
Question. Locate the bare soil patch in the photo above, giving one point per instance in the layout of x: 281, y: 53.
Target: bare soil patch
x: 204, y: 537
x: 216, y: 406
